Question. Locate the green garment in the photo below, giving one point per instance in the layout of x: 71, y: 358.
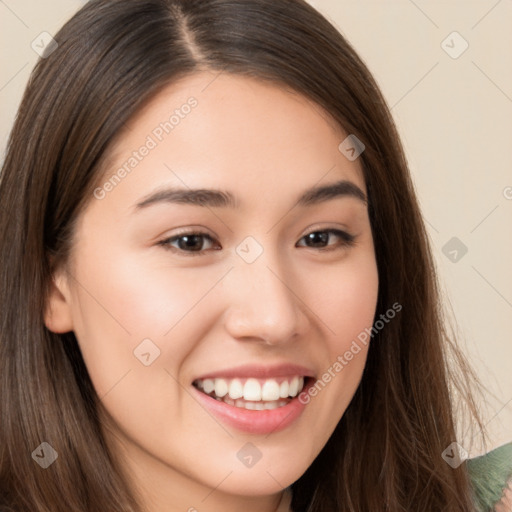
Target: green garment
x: 490, y: 474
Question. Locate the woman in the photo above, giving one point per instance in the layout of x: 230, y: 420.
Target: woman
x: 217, y: 288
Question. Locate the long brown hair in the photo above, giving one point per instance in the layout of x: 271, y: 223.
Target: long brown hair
x: 112, y: 57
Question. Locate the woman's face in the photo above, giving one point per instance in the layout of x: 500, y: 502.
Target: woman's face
x: 261, y: 281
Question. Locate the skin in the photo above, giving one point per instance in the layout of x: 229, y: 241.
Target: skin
x: 295, y: 303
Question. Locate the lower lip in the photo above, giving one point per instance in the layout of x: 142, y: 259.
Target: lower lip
x: 267, y: 421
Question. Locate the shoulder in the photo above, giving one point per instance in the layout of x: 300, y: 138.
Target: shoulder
x: 491, y: 478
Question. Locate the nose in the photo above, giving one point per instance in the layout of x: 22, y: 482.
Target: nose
x: 264, y: 304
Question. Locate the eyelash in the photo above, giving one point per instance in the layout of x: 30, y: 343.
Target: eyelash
x: 347, y: 240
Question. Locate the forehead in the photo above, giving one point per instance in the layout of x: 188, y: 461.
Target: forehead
x: 231, y: 132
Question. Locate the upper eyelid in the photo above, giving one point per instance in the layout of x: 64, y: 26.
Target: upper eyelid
x: 205, y: 232
x: 213, y: 237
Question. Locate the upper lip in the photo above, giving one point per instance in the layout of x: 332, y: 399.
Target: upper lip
x: 259, y: 371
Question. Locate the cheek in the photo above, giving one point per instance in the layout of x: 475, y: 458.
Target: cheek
x: 150, y: 299
x: 344, y: 297
x: 124, y: 303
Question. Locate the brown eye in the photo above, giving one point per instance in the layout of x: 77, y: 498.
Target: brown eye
x: 321, y: 239
x: 190, y: 243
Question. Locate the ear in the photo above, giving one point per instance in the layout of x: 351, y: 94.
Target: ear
x: 57, y: 316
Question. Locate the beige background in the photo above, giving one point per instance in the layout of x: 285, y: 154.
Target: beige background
x: 455, y: 118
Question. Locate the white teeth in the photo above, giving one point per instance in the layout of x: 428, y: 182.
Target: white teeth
x: 270, y: 390
x: 252, y: 390
x: 253, y: 406
x: 228, y: 400
x: 294, y: 387
x: 208, y: 385
x: 236, y: 390
x: 283, y: 389
x: 221, y: 387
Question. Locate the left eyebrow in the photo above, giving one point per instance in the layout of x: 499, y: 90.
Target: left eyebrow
x: 221, y: 198
x: 342, y: 188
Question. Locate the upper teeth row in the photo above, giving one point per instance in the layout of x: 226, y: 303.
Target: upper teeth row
x: 252, y: 389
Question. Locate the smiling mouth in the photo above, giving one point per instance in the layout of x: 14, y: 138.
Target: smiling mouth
x: 251, y: 393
